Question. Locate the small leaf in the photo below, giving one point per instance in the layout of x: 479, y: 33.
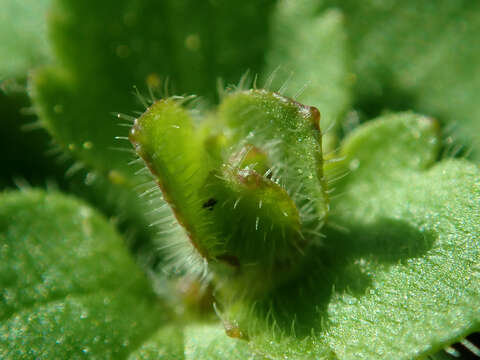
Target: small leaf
x: 233, y: 182
x: 69, y: 286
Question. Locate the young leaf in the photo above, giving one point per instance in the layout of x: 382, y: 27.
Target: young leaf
x: 69, y: 286
x: 398, y: 276
x: 310, y: 58
x: 248, y: 187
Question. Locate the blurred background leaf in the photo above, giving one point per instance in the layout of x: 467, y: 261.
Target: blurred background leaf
x: 23, y: 36
x: 421, y: 56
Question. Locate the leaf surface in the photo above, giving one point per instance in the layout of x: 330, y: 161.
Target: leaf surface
x: 69, y: 286
x: 210, y: 342
x: 398, y: 276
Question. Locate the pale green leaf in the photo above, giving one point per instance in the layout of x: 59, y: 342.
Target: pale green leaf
x: 420, y: 56
x: 210, y: 342
x: 23, y: 36
x: 398, y: 276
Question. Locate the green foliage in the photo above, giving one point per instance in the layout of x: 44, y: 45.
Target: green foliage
x: 411, y: 55
x: 15, y: 141
x: 310, y: 55
x: 209, y: 342
x: 236, y: 189
x: 23, y: 36
x: 144, y: 43
x: 69, y: 286
x: 165, y: 344
x: 367, y: 250
x: 388, y: 285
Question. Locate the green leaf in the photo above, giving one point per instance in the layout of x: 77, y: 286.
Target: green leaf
x: 23, y: 36
x: 165, y: 344
x: 209, y: 342
x: 398, y: 276
x: 418, y: 56
x: 69, y: 287
x: 310, y: 56
x: 247, y: 184
x: 105, y: 48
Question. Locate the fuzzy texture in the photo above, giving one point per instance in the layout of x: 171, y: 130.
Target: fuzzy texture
x: 398, y: 277
x: 233, y: 186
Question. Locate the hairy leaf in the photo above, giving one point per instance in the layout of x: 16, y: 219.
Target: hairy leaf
x: 398, y: 275
x: 209, y: 342
x: 248, y: 189
x: 69, y: 287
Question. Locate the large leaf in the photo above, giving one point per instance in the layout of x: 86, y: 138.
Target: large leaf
x: 23, y: 36
x: 399, y: 275
x: 69, y: 287
x: 143, y: 42
x: 309, y: 58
